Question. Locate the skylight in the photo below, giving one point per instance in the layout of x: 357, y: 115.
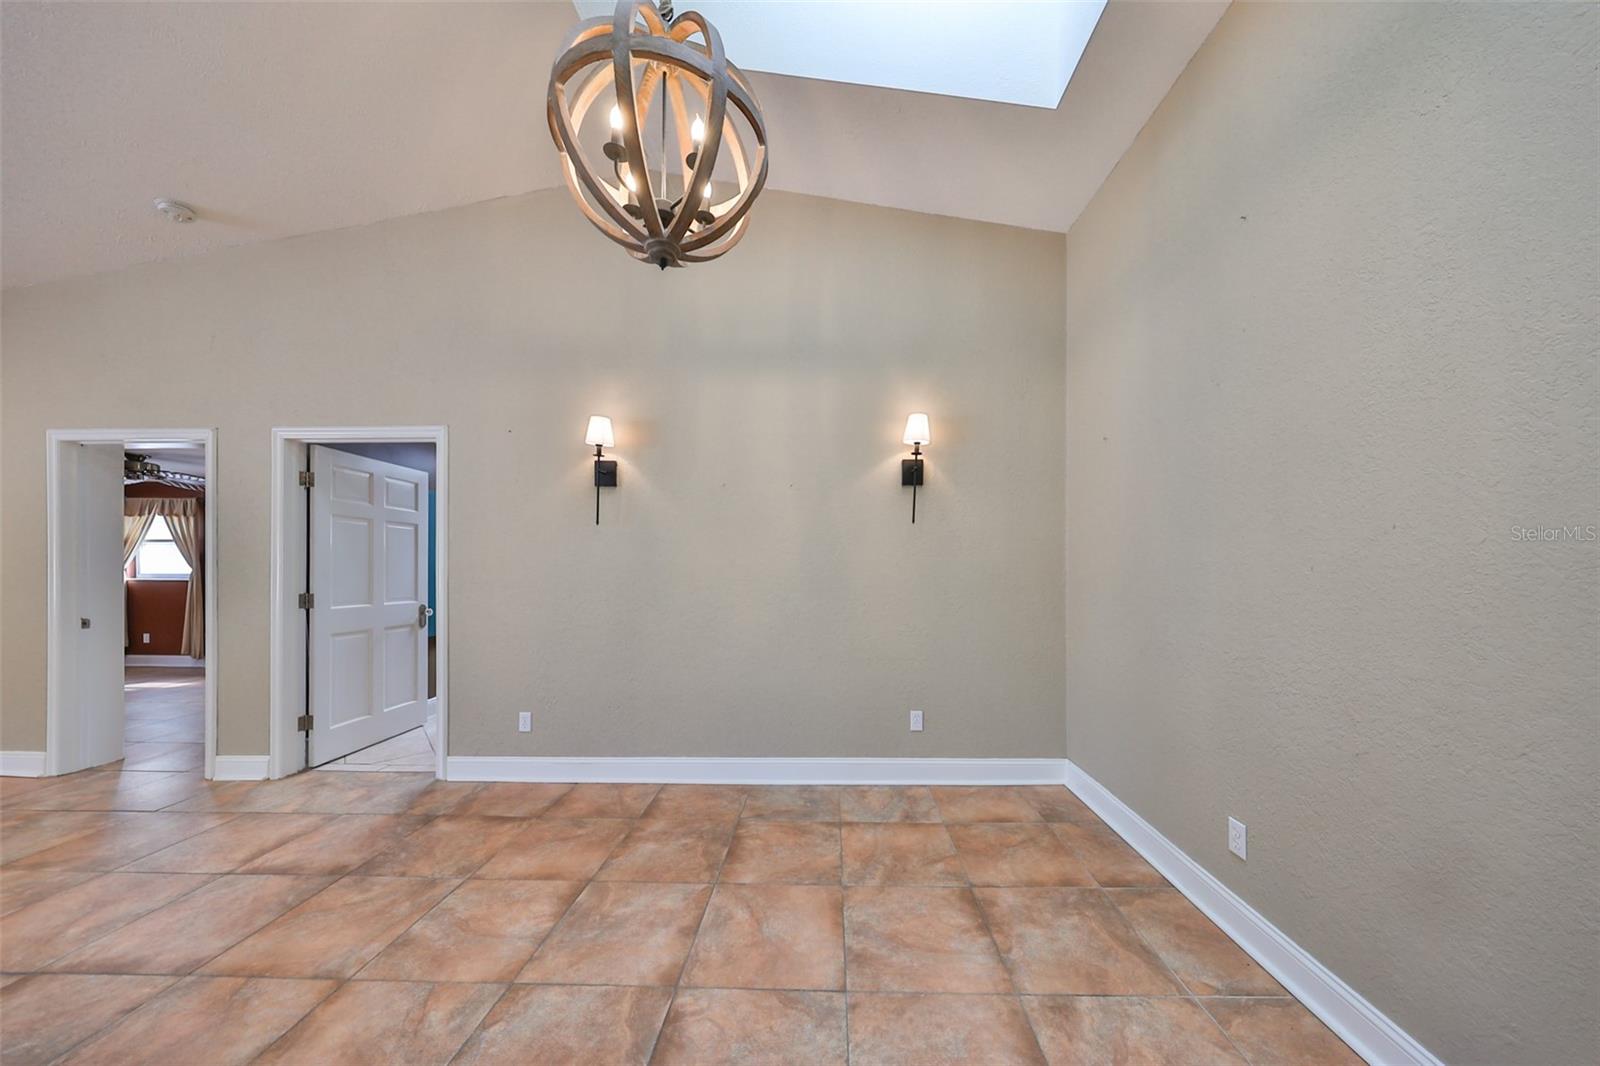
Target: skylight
x: 1007, y: 51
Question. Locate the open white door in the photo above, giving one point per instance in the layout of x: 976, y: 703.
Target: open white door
x: 368, y: 644
x: 88, y: 553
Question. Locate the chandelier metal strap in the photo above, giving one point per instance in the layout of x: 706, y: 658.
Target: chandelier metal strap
x: 644, y: 62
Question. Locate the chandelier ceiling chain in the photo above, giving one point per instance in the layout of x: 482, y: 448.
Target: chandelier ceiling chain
x: 643, y: 57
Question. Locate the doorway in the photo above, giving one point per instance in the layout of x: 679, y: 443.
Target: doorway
x: 360, y: 649
x: 164, y: 647
x: 131, y: 601
x: 371, y: 622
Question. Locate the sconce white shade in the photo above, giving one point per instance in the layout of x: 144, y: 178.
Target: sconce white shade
x: 600, y: 432
x: 917, y: 429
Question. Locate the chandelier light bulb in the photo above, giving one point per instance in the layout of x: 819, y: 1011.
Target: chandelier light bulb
x: 616, y: 118
x: 627, y: 179
x: 697, y: 131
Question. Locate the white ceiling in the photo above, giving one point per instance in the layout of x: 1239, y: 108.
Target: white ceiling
x: 275, y: 120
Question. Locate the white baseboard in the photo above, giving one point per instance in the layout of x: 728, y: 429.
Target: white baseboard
x: 21, y: 763
x: 163, y: 660
x: 1361, y: 1025
x: 737, y: 771
x: 240, y: 768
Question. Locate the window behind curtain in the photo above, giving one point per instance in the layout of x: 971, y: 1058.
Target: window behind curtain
x: 158, y: 557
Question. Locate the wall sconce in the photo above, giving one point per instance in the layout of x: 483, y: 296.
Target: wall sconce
x: 916, y: 435
x: 605, y: 470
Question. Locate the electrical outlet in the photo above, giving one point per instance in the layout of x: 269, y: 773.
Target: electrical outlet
x: 916, y: 721
x: 1236, y: 837
x: 525, y: 722
x: 147, y: 638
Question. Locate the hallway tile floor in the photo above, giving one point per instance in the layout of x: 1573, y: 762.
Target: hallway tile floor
x: 149, y: 916
x: 414, y: 751
x: 164, y: 718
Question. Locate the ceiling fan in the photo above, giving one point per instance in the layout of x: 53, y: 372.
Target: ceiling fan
x: 138, y: 469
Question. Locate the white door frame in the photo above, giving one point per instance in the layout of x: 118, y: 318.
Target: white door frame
x: 56, y: 723
x: 287, y: 570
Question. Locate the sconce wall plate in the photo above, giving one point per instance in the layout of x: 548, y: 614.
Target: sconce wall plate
x: 605, y: 473
x: 911, y: 472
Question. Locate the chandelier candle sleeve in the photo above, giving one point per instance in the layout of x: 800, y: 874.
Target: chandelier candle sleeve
x: 678, y: 115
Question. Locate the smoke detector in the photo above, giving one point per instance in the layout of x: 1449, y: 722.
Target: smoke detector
x: 175, y: 210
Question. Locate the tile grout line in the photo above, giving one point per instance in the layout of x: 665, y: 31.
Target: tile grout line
x: 1189, y: 993
x: 118, y: 1019
x: 336, y: 879
x: 209, y: 878
x: 590, y: 880
x: 1231, y: 1042
x: 455, y: 1051
x: 338, y: 986
x: 683, y: 968
x: 983, y: 916
x: 844, y: 935
x: 140, y: 857
x: 292, y: 1026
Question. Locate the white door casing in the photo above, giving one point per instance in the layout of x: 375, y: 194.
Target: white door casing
x: 368, y: 649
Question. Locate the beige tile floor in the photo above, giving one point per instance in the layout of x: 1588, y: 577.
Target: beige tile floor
x: 164, y: 710
x: 414, y: 751
x: 147, y: 916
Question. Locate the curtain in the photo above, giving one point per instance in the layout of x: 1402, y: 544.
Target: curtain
x: 187, y: 524
x: 185, y: 516
x: 134, y: 527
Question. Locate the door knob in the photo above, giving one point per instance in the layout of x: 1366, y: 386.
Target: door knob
x: 424, y: 612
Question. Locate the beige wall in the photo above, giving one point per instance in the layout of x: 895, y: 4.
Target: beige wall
x: 756, y: 587
x: 1331, y: 331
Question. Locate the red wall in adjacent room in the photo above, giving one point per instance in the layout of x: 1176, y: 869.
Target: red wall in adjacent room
x: 156, y: 607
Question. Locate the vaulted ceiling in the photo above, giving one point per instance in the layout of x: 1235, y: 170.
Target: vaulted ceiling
x: 279, y: 119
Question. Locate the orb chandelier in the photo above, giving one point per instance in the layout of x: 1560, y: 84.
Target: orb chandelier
x: 671, y: 109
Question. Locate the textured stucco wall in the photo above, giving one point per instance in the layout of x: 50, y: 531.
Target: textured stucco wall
x: 1332, y: 335
x: 756, y: 587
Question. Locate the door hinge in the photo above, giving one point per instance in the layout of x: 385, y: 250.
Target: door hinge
x: 307, y: 479
x: 303, y: 723
x: 308, y: 600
